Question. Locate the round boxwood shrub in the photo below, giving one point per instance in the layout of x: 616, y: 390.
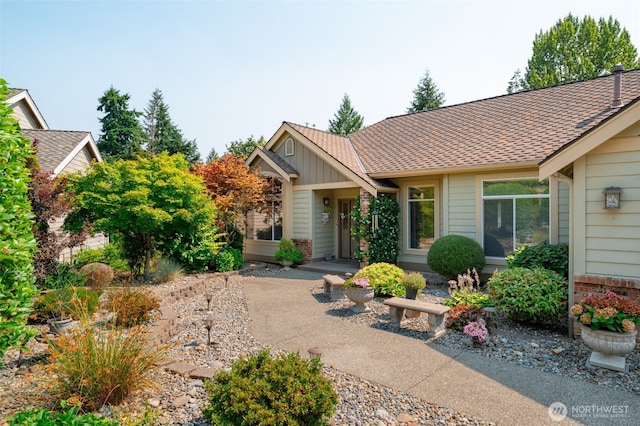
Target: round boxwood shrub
x: 536, y: 296
x: 455, y: 254
x: 261, y: 390
x: 385, y: 279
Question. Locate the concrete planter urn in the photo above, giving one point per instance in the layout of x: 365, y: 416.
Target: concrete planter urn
x: 609, y: 348
x: 61, y: 325
x: 359, y: 296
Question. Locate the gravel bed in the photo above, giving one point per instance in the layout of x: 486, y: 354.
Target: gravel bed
x: 178, y: 400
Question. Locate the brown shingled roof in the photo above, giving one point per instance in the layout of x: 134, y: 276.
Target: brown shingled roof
x: 522, y: 128
x: 54, y: 145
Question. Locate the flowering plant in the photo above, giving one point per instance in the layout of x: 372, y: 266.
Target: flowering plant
x: 358, y: 282
x: 477, y: 330
x: 608, y: 312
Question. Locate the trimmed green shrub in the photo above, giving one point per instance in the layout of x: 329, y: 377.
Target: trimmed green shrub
x: 536, y: 296
x: 468, y: 297
x: 72, y: 302
x: 287, y: 250
x: 224, y: 261
x: 455, y: 254
x: 384, y: 278
x: 261, y: 390
x: 554, y: 257
x: 413, y: 281
x: 238, y: 258
x: 68, y: 417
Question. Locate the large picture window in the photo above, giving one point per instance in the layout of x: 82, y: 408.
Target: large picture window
x: 421, y: 221
x: 266, y: 224
x: 516, y: 212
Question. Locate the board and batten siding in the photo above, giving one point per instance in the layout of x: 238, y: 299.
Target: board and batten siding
x: 612, y: 236
x: 323, y: 234
x: 461, y: 213
x: 312, y: 169
x: 563, y: 212
x: 301, y: 203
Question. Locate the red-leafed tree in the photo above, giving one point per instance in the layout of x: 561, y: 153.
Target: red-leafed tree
x: 48, y: 203
x: 235, y: 189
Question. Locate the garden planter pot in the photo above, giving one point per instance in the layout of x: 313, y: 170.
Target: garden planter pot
x: 359, y: 296
x: 609, y: 348
x: 411, y: 294
x: 287, y: 264
x: 60, y: 325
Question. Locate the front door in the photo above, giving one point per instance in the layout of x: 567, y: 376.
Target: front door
x: 347, y: 243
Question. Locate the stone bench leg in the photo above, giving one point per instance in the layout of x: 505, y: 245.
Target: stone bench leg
x: 396, y: 315
x: 337, y: 293
x: 437, y: 324
x: 327, y: 287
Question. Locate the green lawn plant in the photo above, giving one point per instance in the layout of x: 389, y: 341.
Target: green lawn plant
x: 536, y: 296
x: 64, y: 276
x: 385, y: 278
x: 452, y: 255
x: 414, y: 281
x: 554, y: 257
x: 68, y: 302
x: 264, y: 391
x: 288, y: 251
x: 17, y: 242
x: 68, y: 416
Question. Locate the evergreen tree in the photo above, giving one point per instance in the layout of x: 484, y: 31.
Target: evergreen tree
x: 243, y: 149
x: 121, y: 136
x: 213, y: 155
x: 576, y: 50
x: 161, y: 134
x: 426, y: 95
x: 346, y: 120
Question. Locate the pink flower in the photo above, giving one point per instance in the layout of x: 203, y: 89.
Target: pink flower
x: 476, y: 329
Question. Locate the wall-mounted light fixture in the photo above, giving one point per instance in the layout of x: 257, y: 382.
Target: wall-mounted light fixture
x: 326, y: 201
x: 612, y: 197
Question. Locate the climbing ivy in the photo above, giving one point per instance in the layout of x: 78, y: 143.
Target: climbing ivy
x: 384, y: 242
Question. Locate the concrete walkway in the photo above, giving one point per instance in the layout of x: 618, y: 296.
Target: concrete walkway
x: 284, y: 314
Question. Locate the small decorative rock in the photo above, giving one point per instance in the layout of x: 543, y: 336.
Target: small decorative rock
x: 180, y: 402
x: 153, y: 402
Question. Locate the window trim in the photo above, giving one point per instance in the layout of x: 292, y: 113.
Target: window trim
x: 524, y: 175
x: 407, y: 211
x: 289, y: 147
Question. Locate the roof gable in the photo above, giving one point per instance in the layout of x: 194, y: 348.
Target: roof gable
x: 56, y: 148
x: 21, y: 99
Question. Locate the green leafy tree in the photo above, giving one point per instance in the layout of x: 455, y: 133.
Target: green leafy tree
x: 346, y: 120
x: 243, y: 149
x: 17, y: 243
x: 213, y: 156
x: 161, y: 134
x: 121, y: 135
x: 426, y: 95
x: 150, y: 203
x: 574, y: 50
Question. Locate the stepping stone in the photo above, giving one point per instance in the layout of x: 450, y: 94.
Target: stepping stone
x: 181, y: 367
x: 164, y: 361
x: 202, y: 373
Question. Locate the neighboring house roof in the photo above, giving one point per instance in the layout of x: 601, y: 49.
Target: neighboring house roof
x: 57, y: 148
x: 518, y: 129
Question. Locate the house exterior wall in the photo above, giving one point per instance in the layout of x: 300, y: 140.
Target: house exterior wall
x: 324, y: 235
x: 312, y: 168
x: 22, y: 112
x: 461, y: 206
x: 563, y: 212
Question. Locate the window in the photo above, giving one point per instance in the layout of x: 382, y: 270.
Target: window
x: 421, y: 210
x: 288, y: 147
x: 266, y: 223
x: 516, y: 212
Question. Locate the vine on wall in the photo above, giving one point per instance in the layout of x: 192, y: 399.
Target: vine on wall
x: 383, y: 243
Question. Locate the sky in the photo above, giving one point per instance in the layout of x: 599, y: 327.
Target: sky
x: 229, y: 70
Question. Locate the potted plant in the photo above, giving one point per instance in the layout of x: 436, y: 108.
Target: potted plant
x: 325, y: 214
x: 413, y: 283
x: 64, y: 306
x: 609, y: 327
x: 360, y: 292
x: 287, y: 253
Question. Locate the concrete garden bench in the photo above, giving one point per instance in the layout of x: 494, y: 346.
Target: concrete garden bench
x: 334, y: 286
x: 436, y: 314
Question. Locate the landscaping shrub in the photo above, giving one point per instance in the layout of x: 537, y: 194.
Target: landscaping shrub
x: 111, y: 254
x: 287, y: 250
x: 224, y: 261
x: 132, y: 306
x: 64, y: 276
x: 93, y: 368
x: 414, y: 281
x: 385, y: 278
x: 554, y: 257
x: 67, y: 417
x: 537, y: 296
x: 238, y: 258
x: 461, y: 315
x: 166, y: 270
x: 466, y: 297
x: 74, y: 302
x: 455, y: 254
x: 261, y: 390
x: 98, y: 275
